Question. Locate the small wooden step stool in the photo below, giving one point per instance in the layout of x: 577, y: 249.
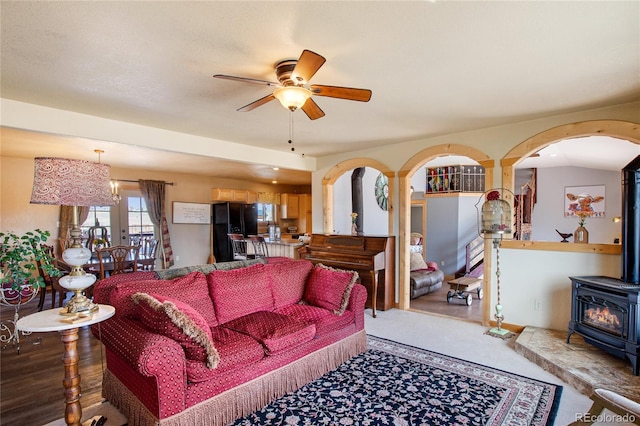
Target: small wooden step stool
x: 460, y: 288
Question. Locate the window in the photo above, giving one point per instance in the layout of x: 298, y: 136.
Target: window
x: 140, y: 224
x: 98, y: 216
x: 265, y: 212
x: 126, y: 223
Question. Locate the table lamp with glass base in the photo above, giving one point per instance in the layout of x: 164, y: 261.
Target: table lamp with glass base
x: 73, y: 183
x: 77, y: 281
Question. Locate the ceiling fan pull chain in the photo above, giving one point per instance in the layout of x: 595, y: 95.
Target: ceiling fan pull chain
x: 293, y: 148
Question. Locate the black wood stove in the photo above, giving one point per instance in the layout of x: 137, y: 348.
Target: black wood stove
x: 606, y: 311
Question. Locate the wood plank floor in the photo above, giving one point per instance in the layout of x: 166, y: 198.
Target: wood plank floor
x: 31, y: 390
x: 436, y: 303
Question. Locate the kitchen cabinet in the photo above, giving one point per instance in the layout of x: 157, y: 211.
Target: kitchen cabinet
x: 252, y: 197
x: 237, y: 195
x: 289, y: 206
x: 304, y: 213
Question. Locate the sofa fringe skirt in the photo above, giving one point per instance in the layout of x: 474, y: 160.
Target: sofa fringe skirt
x: 244, y: 399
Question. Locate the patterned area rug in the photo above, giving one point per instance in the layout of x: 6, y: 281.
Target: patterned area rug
x: 396, y: 384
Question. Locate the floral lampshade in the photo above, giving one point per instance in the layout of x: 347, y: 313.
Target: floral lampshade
x: 67, y: 182
x: 75, y: 183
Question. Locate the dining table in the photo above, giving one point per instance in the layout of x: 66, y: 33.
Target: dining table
x: 93, y: 265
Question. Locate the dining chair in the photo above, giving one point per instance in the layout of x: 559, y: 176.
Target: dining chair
x: 98, y: 237
x: 239, y: 247
x: 51, y: 283
x: 147, y: 257
x: 65, y: 243
x: 118, y: 260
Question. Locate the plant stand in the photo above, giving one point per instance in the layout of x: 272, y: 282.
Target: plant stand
x: 9, y: 333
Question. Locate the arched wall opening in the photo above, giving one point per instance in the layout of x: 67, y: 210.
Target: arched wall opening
x: 404, y: 175
x: 338, y: 170
x: 553, y: 292
x: 614, y: 128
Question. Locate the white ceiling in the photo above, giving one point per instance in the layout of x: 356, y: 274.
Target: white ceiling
x: 435, y: 67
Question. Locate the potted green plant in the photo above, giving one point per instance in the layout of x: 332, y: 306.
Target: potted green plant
x: 18, y: 256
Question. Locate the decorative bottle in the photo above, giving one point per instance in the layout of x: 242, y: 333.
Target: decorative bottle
x: 581, y: 235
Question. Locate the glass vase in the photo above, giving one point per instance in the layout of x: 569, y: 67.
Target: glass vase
x: 354, y: 229
x: 581, y: 235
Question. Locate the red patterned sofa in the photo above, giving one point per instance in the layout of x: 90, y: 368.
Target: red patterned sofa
x: 214, y: 344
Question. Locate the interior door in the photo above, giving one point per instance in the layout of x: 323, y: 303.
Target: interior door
x: 419, y: 221
x: 130, y: 219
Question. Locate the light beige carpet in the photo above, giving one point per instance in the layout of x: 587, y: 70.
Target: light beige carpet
x: 461, y: 339
x: 467, y: 340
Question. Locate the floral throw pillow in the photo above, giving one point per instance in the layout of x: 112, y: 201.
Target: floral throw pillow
x: 180, y: 322
x: 330, y: 288
x: 416, y: 262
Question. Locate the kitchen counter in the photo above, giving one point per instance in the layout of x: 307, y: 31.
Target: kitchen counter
x: 284, y: 241
x: 285, y: 247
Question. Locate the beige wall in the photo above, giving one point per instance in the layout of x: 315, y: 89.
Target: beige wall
x: 494, y: 141
x: 535, y: 287
x: 529, y: 275
x: 190, y: 242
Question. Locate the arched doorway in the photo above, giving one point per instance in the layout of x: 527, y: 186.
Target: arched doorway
x: 338, y: 170
x: 618, y: 129
x: 405, y: 173
x: 580, y: 131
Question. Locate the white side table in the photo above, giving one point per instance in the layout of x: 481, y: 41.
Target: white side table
x: 50, y: 320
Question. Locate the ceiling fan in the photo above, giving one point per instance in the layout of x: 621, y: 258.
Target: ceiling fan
x: 293, y: 90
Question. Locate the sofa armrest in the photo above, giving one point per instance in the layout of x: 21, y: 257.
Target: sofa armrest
x: 357, y: 300
x: 148, y: 354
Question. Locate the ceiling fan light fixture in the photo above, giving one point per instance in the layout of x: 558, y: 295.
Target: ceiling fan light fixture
x: 292, y: 97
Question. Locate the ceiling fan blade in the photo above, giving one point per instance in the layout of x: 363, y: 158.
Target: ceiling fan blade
x: 350, y: 93
x: 246, y: 80
x: 312, y: 109
x: 256, y: 104
x: 308, y: 64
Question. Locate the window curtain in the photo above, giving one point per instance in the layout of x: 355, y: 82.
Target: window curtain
x: 66, y: 218
x: 269, y: 197
x: 154, y: 197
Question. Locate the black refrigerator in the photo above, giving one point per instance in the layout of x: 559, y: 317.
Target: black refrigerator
x: 232, y: 218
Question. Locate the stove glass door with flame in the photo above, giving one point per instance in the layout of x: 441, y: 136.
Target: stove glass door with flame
x: 605, y: 315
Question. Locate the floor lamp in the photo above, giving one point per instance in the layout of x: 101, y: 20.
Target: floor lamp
x: 75, y: 183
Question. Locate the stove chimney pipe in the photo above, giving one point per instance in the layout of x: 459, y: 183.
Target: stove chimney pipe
x: 631, y: 222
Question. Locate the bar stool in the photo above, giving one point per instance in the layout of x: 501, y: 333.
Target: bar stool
x: 239, y: 247
x: 261, y: 250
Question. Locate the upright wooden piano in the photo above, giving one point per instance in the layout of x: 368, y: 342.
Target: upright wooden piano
x: 373, y: 257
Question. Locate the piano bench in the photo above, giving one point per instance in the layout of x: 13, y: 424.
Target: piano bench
x: 423, y: 282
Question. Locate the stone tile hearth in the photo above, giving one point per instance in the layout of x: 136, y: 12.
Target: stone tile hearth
x: 580, y: 364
